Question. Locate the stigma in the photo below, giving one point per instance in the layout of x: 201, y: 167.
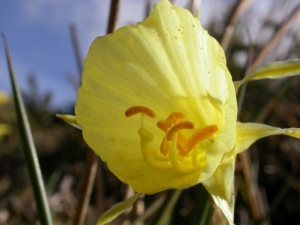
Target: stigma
x: 176, y: 150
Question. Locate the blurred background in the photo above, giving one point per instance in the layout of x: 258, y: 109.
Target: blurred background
x: 41, y: 37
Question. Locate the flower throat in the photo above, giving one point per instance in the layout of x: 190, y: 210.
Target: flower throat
x: 176, y: 151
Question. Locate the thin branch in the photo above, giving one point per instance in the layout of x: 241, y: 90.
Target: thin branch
x: 76, y: 49
x: 257, y: 208
x: 276, y: 38
x: 193, y: 5
x: 113, y: 15
x: 237, y: 11
x: 148, y: 8
x: 91, y: 164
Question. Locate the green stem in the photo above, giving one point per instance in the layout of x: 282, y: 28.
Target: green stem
x: 241, y: 98
x: 205, y: 213
x: 29, y: 148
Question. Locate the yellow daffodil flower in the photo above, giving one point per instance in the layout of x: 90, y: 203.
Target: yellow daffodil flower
x: 158, y: 104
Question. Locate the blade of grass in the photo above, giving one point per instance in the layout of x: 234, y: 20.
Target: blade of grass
x: 117, y: 209
x: 29, y: 148
x: 205, y: 215
x: 202, y: 207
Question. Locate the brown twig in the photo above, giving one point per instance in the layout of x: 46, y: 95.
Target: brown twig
x: 237, y: 10
x: 100, y: 191
x: 192, y: 5
x: 269, y: 108
x: 76, y: 49
x: 148, y: 8
x: 276, y: 38
x: 257, y: 208
x: 113, y: 15
x: 91, y: 164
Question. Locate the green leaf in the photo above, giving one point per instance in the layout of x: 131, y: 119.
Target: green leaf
x: 29, y: 148
x: 272, y: 71
x: 117, y: 209
x: 70, y: 119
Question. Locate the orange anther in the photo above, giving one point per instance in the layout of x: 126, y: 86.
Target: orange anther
x: 182, y: 143
x: 164, y: 148
x: 139, y: 109
x: 162, y: 125
x: 174, y: 118
x: 178, y: 127
x: 203, y: 133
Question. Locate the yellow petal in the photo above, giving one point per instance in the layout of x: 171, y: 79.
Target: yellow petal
x: 167, y: 63
x: 273, y: 71
x: 221, y: 188
x: 70, y: 119
x: 248, y: 133
x: 117, y: 209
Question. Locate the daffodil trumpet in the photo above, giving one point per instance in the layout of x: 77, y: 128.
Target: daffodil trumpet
x: 176, y: 151
x: 180, y: 126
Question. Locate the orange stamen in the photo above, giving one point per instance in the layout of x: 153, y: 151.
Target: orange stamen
x: 162, y: 125
x: 183, y: 153
x: 164, y: 147
x: 182, y: 143
x: 178, y: 127
x: 174, y: 118
x: 139, y: 109
x: 203, y: 133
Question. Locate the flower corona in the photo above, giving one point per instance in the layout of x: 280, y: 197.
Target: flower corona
x: 176, y: 151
